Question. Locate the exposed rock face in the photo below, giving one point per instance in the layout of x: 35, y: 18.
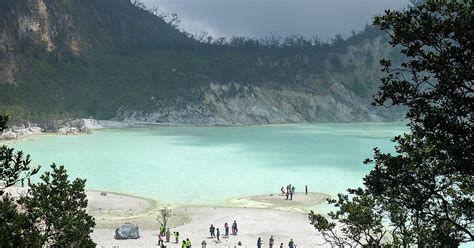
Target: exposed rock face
x: 37, y: 21
x: 237, y: 104
x: 61, y: 127
x: 71, y: 126
x: 338, y: 95
x: 106, y: 58
x: 22, y: 131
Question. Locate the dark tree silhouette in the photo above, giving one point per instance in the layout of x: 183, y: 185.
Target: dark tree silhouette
x: 426, y: 189
x: 52, y: 213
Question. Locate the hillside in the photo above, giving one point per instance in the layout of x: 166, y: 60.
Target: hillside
x: 108, y: 59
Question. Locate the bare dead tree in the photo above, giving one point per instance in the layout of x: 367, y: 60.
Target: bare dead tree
x: 163, y: 216
x: 139, y: 4
x: 201, y: 36
x: 174, y: 20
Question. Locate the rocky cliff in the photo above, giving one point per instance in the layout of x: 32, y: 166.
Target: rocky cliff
x: 236, y: 104
x: 110, y: 59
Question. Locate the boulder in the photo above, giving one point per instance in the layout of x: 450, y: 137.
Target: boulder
x: 127, y: 231
x: 8, y: 135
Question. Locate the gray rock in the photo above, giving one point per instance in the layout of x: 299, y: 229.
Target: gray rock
x: 127, y: 231
x: 239, y: 104
x: 8, y: 135
x: 22, y: 131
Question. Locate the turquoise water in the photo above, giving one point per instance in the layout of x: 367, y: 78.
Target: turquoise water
x: 205, y: 165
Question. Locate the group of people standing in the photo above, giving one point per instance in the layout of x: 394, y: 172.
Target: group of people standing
x: 165, y: 232
x: 271, y: 243
x: 215, y: 233
x: 290, y: 191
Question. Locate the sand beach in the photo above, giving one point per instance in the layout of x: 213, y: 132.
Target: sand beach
x: 257, y: 216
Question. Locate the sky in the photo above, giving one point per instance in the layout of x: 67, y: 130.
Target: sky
x: 259, y: 18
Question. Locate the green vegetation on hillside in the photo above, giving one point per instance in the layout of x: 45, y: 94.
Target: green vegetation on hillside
x: 130, y: 57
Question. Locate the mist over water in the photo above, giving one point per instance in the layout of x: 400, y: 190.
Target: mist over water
x: 207, y: 165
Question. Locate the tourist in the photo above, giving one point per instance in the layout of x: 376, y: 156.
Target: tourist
x: 293, y: 190
x: 234, y: 227
x: 281, y: 245
x: 184, y: 245
x: 291, y: 244
x: 218, y: 234
x: 306, y: 189
x: 162, y: 230
x: 287, y: 194
x: 168, y: 235
x: 291, y: 195
x: 270, y: 242
x: 226, y: 230
x: 259, y: 242
x: 203, y: 244
x: 176, y: 237
x: 282, y: 190
x: 160, y: 240
x: 188, y: 243
x: 211, y: 230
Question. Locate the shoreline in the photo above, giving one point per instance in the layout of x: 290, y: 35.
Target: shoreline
x: 111, y: 210
x: 193, y: 222
x: 22, y: 133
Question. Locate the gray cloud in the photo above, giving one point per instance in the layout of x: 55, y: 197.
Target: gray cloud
x: 258, y: 18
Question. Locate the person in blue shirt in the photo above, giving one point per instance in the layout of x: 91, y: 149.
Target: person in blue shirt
x: 291, y: 244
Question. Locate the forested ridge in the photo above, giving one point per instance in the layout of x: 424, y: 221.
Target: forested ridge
x: 91, y: 58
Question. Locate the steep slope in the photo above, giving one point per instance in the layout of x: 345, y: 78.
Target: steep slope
x: 110, y: 59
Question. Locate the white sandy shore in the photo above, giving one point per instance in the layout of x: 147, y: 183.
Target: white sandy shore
x: 257, y: 216
x: 252, y: 223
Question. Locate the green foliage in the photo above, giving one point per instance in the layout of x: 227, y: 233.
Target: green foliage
x: 3, y: 122
x: 357, y: 222
x: 434, y: 172
x: 425, y: 190
x: 53, y: 213
x: 129, y: 56
x: 13, y: 166
x: 60, y: 206
x: 15, y: 229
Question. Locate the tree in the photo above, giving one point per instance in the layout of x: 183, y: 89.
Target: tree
x: 51, y: 213
x: 12, y: 222
x: 13, y: 166
x: 163, y: 216
x: 426, y: 189
x: 432, y: 178
x: 3, y: 122
x: 14, y: 226
x: 174, y: 20
x: 139, y: 4
x: 202, y: 35
x: 56, y: 210
x: 357, y: 222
